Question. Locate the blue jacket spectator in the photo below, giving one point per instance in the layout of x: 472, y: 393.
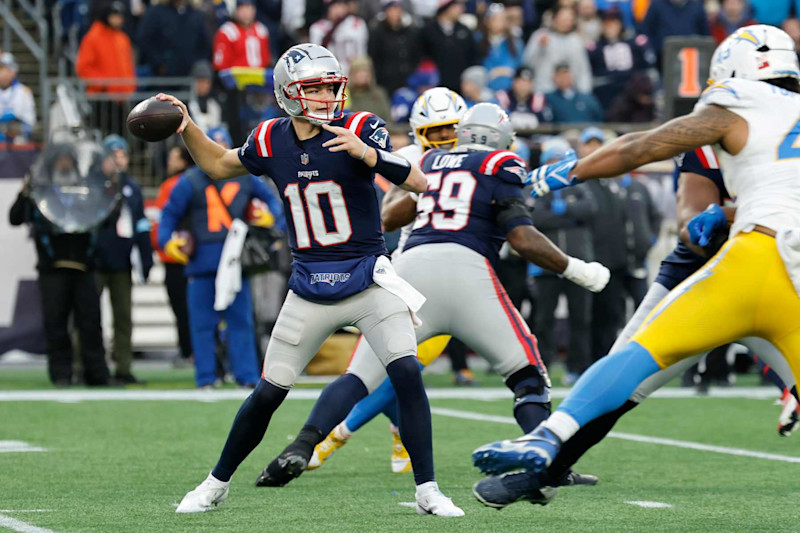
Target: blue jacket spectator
x: 666, y: 18
x: 773, y: 12
x: 171, y: 38
x: 569, y: 105
x: 501, y: 48
x: 625, y: 8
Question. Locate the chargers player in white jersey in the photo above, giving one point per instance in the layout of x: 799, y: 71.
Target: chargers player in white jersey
x: 433, y: 121
x: 472, y: 206
x: 323, y: 161
x: 751, y: 285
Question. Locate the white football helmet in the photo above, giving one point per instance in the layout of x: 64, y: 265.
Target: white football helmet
x: 435, y: 107
x: 302, y: 66
x: 757, y: 52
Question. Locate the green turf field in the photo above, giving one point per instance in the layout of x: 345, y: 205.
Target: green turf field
x: 122, y: 466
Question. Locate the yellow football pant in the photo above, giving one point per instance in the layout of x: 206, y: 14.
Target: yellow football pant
x: 432, y: 348
x: 744, y: 290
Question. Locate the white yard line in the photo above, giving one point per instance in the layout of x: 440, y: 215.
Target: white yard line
x: 469, y: 415
x: 465, y: 393
x: 650, y: 505
x: 17, y: 446
x: 21, y: 527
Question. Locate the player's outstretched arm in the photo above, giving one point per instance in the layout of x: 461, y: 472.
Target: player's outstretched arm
x: 398, y: 209
x: 393, y: 167
x: 533, y: 246
x: 219, y: 163
x: 695, y: 194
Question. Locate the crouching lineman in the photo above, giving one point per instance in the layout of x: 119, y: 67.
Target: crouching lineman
x: 749, y: 287
x: 472, y: 205
x: 323, y: 161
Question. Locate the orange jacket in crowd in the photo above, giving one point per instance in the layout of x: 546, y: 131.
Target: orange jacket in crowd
x: 161, y: 200
x: 106, y: 53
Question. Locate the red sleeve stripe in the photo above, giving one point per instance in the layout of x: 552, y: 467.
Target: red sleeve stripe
x: 355, y: 122
x: 707, y: 157
x: 495, y: 159
x: 263, y: 141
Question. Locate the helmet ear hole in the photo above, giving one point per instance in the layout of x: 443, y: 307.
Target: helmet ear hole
x: 763, y: 48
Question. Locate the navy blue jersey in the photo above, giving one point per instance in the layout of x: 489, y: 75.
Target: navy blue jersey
x: 683, y: 262
x: 330, y: 202
x: 459, y: 205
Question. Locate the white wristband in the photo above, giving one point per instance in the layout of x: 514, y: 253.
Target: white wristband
x: 364, y: 153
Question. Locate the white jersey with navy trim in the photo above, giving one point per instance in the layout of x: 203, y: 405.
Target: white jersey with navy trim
x: 764, y: 178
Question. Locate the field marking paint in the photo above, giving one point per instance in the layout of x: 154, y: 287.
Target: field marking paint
x: 20, y: 526
x: 15, y: 446
x: 26, y: 510
x: 469, y: 415
x: 466, y: 393
x: 650, y: 505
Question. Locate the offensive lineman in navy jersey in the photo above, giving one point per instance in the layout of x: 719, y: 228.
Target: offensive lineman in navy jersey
x: 472, y: 205
x: 698, y: 183
x: 323, y: 161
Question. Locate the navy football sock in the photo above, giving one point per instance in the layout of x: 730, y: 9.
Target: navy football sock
x: 378, y: 401
x: 582, y: 441
x: 414, y: 416
x: 335, y: 402
x: 248, y: 428
x: 530, y: 415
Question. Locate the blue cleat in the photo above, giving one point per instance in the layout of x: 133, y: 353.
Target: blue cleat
x: 500, y: 491
x: 534, y: 451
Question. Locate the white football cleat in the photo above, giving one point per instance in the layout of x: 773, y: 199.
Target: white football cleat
x: 788, y: 420
x: 205, y: 497
x: 430, y: 500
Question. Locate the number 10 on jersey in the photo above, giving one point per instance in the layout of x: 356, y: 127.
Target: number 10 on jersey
x: 315, y: 220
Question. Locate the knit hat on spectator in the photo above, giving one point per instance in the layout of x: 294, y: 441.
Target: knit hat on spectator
x: 245, y: 3
x: 592, y: 133
x: 554, y: 148
x: 7, y: 60
x: 444, y: 4
x: 612, y: 13
x: 221, y: 136
x: 476, y: 74
x: 114, y: 142
x: 116, y: 7
x: 202, y: 71
x: 524, y: 72
x: 386, y: 4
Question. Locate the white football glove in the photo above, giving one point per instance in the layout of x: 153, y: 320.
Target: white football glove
x: 592, y: 276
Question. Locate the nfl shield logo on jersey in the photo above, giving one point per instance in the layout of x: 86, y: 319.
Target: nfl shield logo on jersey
x: 304, y: 159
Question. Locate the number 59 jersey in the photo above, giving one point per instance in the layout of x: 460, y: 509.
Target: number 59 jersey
x: 461, y: 203
x: 764, y: 177
x: 329, y: 198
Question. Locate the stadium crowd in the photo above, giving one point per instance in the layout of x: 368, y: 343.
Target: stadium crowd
x: 543, y: 61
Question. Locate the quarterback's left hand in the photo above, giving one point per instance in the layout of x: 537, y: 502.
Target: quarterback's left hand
x: 345, y: 140
x: 704, y: 226
x: 552, y: 177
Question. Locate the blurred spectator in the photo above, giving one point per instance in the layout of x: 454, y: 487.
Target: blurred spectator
x: 425, y: 9
x: 66, y: 285
x: 609, y: 238
x: 243, y: 41
x: 733, y: 14
x: 449, y: 43
x: 178, y: 160
x: 364, y: 93
x: 625, y: 7
x: 123, y: 249
x: 792, y: 27
x: 211, y: 208
x: 614, y: 59
x: 171, y: 38
x: 570, y: 105
x: 501, y: 47
x: 557, y: 45
x: 345, y: 35
x: 565, y: 217
x: 666, y: 18
x: 259, y: 106
x: 106, y: 53
x: 394, y: 46
x: 525, y: 107
x: 17, y: 108
x: 473, y: 85
x: 589, y: 24
x: 643, y: 222
x: 425, y: 77
x: 204, y: 108
x: 772, y: 12
x: 636, y: 104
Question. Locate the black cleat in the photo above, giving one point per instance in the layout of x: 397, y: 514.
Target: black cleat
x: 574, y: 479
x: 500, y: 491
x: 284, y: 468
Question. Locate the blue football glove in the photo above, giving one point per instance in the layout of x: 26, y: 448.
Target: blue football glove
x: 704, y: 226
x: 553, y: 177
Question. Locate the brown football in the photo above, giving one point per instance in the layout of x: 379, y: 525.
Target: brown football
x: 154, y: 120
